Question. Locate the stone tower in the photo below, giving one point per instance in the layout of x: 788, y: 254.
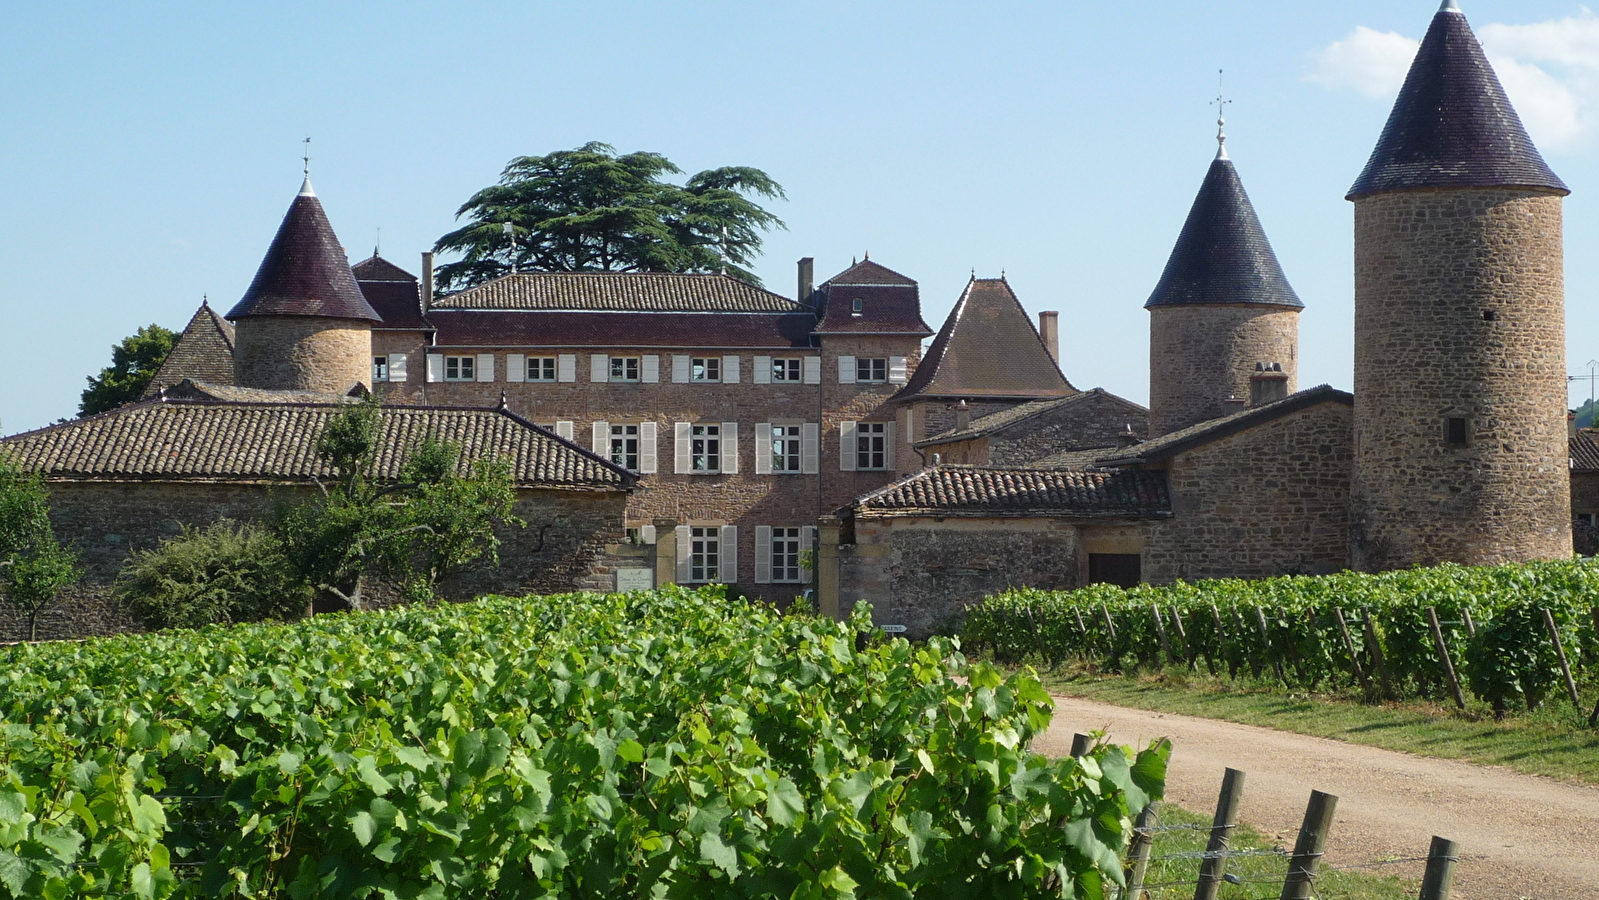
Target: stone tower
x: 1460, y: 364
x: 303, y: 324
x: 1222, y: 308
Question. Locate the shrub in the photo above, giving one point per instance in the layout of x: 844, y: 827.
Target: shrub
x: 224, y: 573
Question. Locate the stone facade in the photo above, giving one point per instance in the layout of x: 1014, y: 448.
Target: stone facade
x: 1461, y: 449
x: 1201, y: 355
x: 302, y: 353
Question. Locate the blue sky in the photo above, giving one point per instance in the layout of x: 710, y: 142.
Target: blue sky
x: 150, y: 150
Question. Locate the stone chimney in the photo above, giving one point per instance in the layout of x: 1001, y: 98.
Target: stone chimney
x: 963, y: 416
x: 1049, y: 330
x: 1268, y: 385
x: 427, y: 281
x: 1233, y: 405
x: 807, y: 280
x: 1127, y: 438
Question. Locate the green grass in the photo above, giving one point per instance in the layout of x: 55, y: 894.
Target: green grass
x: 1554, y: 741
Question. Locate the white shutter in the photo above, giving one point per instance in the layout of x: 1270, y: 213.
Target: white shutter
x: 683, y: 549
x: 602, y: 439
x: 680, y: 369
x: 763, y: 370
x: 730, y: 370
x: 684, y: 464
x: 729, y: 448
x: 646, y: 449
x: 515, y: 368
x: 846, y: 370
x: 729, y: 573
x: 397, y: 367
x: 810, y: 448
x: 846, y: 446
x: 763, y: 452
x: 898, y: 370
x: 807, y: 542
x: 563, y: 429
x: 566, y: 368
x: 599, y: 368
x: 485, y: 367
x: 647, y: 534
x: 650, y: 370
x: 435, y: 368
x: 888, y: 447
x: 763, y: 554
x: 812, y: 369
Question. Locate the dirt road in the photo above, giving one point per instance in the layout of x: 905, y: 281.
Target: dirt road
x: 1521, y: 836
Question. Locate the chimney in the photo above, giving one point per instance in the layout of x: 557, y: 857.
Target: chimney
x: 963, y: 416
x: 1127, y: 438
x: 807, y: 280
x: 427, y: 281
x: 1268, y: 385
x: 1234, y: 405
x: 1049, y: 330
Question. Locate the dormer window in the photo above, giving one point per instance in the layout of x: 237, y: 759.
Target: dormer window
x: 856, y: 305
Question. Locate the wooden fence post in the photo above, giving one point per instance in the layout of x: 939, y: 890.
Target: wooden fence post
x: 1471, y: 626
x: 1560, y: 651
x: 1443, y: 656
x: 1160, y: 631
x: 1214, y: 867
x: 1138, y: 853
x: 1375, y: 646
x: 1182, y: 634
x: 1441, y: 861
x: 1354, y: 658
x: 1081, y: 745
x: 1110, y: 624
x: 1310, y: 847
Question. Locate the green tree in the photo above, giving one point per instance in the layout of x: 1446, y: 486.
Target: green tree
x: 591, y: 210
x: 34, y: 567
x: 225, y: 573
x: 134, y: 362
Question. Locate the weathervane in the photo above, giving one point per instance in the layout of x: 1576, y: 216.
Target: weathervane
x: 307, y: 157
x: 1221, y: 103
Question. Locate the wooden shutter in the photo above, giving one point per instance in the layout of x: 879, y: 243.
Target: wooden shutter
x: 647, y: 534
x: 729, y: 448
x: 602, y: 439
x: 684, y: 464
x: 681, y: 369
x: 646, y: 449
x: 650, y: 370
x: 730, y: 370
x: 808, y: 542
x: 485, y: 367
x: 397, y: 367
x: 810, y: 448
x: 763, y: 554
x: 888, y: 447
x: 515, y: 368
x: 763, y: 370
x: 846, y: 370
x: 898, y: 370
x: 683, y: 548
x: 812, y: 368
x: 846, y: 446
x: 729, y: 573
x: 599, y: 368
x: 763, y: 452
x: 563, y: 429
x: 566, y: 367
x: 435, y: 367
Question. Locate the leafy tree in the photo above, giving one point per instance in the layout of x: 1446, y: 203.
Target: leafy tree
x: 591, y: 210
x: 34, y: 567
x: 225, y: 573
x: 134, y: 362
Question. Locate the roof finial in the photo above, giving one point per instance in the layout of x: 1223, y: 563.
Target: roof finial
x: 305, y: 187
x: 205, y: 300
x: 505, y: 404
x: 377, y: 247
x: 1221, y: 102
x: 1450, y: 6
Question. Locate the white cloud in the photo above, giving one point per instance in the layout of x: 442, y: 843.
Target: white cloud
x: 1370, y: 61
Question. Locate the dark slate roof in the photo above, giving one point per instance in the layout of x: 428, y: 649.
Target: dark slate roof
x: 1222, y: 255
x: 988, y: 347
x: 204, y: 352
x: 276, y: 442
x: 975, y: 492
x: 475, y: 328
x: 868, y: 272
x: 1585, y: 451
x: 305, y: 272
x: 618, y: 292
x: 1452, y: 125
x: 376, y: 268
x: 890, y: 303
x: 397, y: 303
x: 997, y: 422
x: 1169, y: 445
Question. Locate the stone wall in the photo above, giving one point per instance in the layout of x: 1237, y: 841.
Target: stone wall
x: 302, y: 353
x: 1201, y: 355
x: 1272, y: 500
x: 1459, y: 314
x: 1092, y: 421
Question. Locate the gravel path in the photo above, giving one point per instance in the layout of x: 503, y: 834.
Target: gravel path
x: 1521, y: 836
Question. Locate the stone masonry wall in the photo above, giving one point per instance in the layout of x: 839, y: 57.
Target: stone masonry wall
x: 302, y: 353
x: 1269, y: 501
x: 1459, y: 313
x: 1201, y: 355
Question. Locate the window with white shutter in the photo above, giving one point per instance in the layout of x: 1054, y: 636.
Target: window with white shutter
x: 810, y: 448
x: 681, y: 369
x: 813, y: 370
x: 898, y: 370
x: 515, y: 368
x: 646, y: 449
x: 763, y: 554
x: 647, y: 534
x: 846, y: 370
x: 485, y: 367
x: 730, y: 370
x: 566, y: 368
x: 435, y: 367
x: 622, y: 446
x: 683, y: 552
x: 602, y: 439
x: 651, y: 373
x: 708, y: 552
x: 763, y: 462
x: 397, y: 371
x: 599, y: 368
x: 380, y: 369
x: 763, y: 370
x: 784, y: 553
x: 564, y: 429
x: 846, y: 446
x: 729, y: 448
x: 729, y: 548
x: 683, y: 464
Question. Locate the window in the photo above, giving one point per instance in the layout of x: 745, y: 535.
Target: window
x: 786, y: 370
x: 871, y: 370
x: 786, y: 554
x: 871, y: 445
x: 857, y: 305
x: 706, y: 368
x: 460, y: 368
x: 1455, y: 432
x: 541, y: 368
x: 624, y: 368
x: 705, y: 448
x: 624, y: 446
x: 380, y: 368
x: 705, y: 554
x: 785, y: 449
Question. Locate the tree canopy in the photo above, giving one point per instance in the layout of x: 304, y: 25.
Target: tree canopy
x: 592, y: 210
x: 134, y: 362
x: 34, y: 566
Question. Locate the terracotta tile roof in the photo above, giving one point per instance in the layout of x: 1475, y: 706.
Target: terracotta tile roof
x: 376, y: 268
x: 998, y: 422
x: 988, y: 347
x: 1452, y: 125
x: 305, y: 272
x: 889, y: 303
x: 1585, y: 451
x: 476, y: 328
x: 276, y: 442
x: 1222, y: 255
x: 1008, y: 493
x: 618, y: 291
x: 1170, y: 445
x: 204, y: 352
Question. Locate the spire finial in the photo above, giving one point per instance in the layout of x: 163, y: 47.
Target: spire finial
x: 305, y: 187
x: 1221, y: 103
x: 377, y: 247
x: 1450, y: 6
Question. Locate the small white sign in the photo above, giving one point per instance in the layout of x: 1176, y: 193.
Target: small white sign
x: 894, y: 629
x: 635, y: 579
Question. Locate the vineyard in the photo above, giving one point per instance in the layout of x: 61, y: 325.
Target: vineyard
x: 1512, y: 636
x: 670, y: 744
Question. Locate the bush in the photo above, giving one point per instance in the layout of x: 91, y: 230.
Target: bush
x: 227, y: 572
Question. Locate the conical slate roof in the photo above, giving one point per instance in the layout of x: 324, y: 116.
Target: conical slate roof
x: 305, y: 272
x: 1222, y: 255
x: 1453, y: 126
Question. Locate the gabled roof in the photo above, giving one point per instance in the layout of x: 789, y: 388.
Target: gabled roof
x: 988, y: 347
x: 1004, y: 419
x: 619, y: 292
x: 376, y: 268
x: 868, y: 272
x: 305, y: 272
x: 969, y: 491
x: 1452, y: 125
x: 889, y: 303
x: 204, y: 352
x: 263, y: 443
x: 1585, y: 451
x: 1222, y: 255
x: 1169, y: 445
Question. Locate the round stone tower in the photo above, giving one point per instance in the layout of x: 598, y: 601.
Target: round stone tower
x: 1223, y: 310
x: 1460, y: 366
x: 303, y: 325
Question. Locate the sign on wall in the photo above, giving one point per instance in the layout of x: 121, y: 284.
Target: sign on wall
x: 635, y: 579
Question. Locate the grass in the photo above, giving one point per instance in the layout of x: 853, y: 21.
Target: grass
x: 1554, y: 741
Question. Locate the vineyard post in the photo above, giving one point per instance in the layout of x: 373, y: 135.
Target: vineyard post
x: 1265, y: 640
x: 1287, y: 630
x: 1214, y: 867
x: 1110, y: 624
x: 1354, y: 658
x: 1182, y: 635
x: 1160, y: 631
x: 1082, y: 745
x: 1112, y: 657
x: 1138, y: 853
x: 1082, y: 627
x: 1221, y: 644
x: 1310, y: 847
x: 1254, y: 659
x: 1443, y: 655
x: 1560, y: 651
x: 1441, y: 861
x: 1471, y: 625
x: 1376, y: 658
